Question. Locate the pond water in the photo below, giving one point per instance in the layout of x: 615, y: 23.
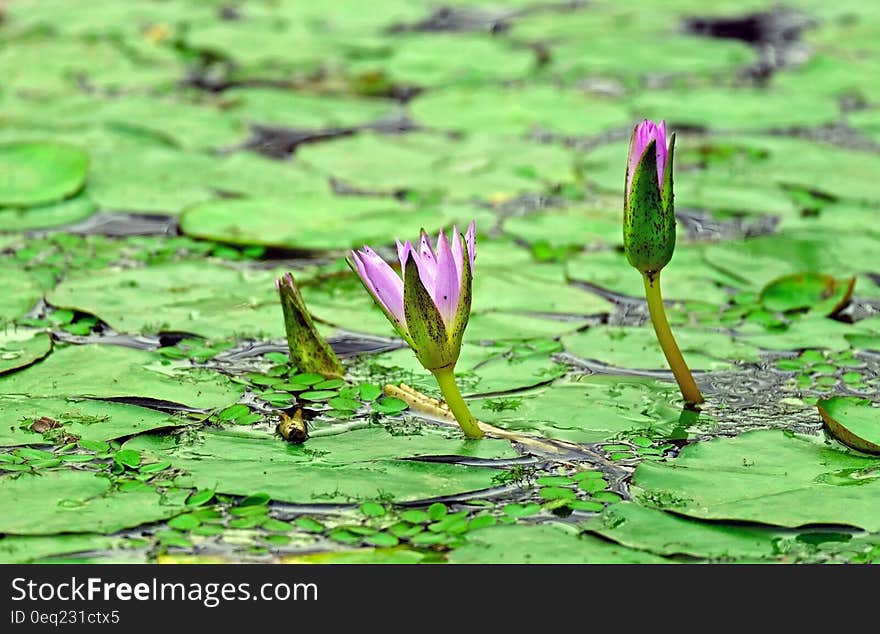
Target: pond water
x: 162, y: 163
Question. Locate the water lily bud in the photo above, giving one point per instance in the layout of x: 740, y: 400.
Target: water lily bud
x: 648, y: 211
x: 430, y: 305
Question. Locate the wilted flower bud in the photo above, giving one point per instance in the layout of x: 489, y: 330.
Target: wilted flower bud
x: 648, y: 211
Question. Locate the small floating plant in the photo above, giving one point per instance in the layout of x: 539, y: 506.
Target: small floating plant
x: 649, y: 234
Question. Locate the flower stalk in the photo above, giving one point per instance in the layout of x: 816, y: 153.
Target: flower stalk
x: 674, y: 358
x: 452, y: 395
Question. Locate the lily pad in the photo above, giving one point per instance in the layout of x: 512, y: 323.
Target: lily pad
x: 20, y: 348
x: 807, y: 291
x: 685, y: 278
x: 352, y: 466
x: 662, y: 533
x: 452, y: 58
x: 308, y: 222
x: 591, y: 409
x: 85, y: 419
x: 40, y: 172
x: 854, y: 422
x: 638, y: 349
x: 132, y: 174
x: 431, y: 164
x: 757, y: 260
x: 576, y: 227
x: 518, y: 110
x: 810, y: 331
x: 74, y: 501
x: 767, y: 477
x: 51, y: 215
x: 179, y: 296
x: 544, y: 544
x: 103, y: 371
x: 480, y: 369
x: 358, y: 556
x: 15, y: 549
x: 737, y: 108
x: 301, y: 111
x: 21, y: 292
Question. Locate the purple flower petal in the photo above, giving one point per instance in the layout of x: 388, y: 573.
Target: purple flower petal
x: 425, y: 260
x: 457, y: 254
x: 426, y: 252
x: 447, y: 286
x: 642, y: 136
x: 385, y: 284
x: 401, y: 253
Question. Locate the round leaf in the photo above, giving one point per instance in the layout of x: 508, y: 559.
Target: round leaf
x: 35, y: 173
x: 853, y: 422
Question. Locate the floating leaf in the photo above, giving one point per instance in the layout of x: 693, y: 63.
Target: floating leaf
x: 853, y: 421
x: 543, y: 544
x: 766, y: 477
x: 815, y: 292
x: 37, y: 173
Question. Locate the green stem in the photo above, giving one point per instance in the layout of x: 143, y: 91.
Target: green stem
x: 686, y: 383
x: 451, y: 394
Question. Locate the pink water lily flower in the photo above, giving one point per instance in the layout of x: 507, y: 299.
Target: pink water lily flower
x: 430, y: 304
x: 643, y: 134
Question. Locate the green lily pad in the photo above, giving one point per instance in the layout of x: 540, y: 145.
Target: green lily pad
x: 358, y: 556
x: 99, y: 63
x: 40, y: 172
x: 574, y: 227
x: 451, y: 58
x: 768, y: 477
x: 51, y: 215
x: 131, y: 174
x: 73, y: 501
x: 21, y: 292
x: 637, y: 348
x: 810, y: 331
x: 103, y: 371
x: 178, y: 296
x: 478, y: 167
x: 807, y: 291
x: 353, y: 466
x: 685, y: 278
x: 737, y: 108
x: 24, y: 549
x: 306, y: 222
x: 853, y: 422
x: 480, y: 369
x: 758, y: 260
x: 543, y: 544
x: 299, y: 111
x: 519, y: 110
x: 662, y: 533
x: 90, y: 420
x: 20, y: 348
x: 592, y: 409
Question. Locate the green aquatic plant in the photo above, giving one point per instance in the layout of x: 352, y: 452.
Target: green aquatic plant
x: 309, y: 351
x: 429, y: 307
x: 649, y: 234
